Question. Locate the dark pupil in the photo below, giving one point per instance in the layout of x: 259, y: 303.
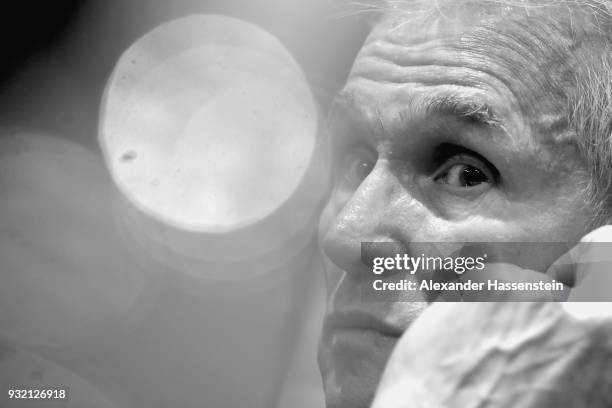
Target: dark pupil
x: 471, y: 176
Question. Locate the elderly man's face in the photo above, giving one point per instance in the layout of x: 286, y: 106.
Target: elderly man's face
x: 442, y: 133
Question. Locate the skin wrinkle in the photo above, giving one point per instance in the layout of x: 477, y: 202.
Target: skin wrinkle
x: 541, y: 35
x: 557, y: 370
x: 538, y: 90
x: 474, y: 49
x: 423, y: 73
x: 435, y: 97
x: 507, y: 351
x: 556, y: 61
x: 474, y: 109
x: 495, y: 350
x: 485, y: 355
x: 409, y: 56
x: 441, y: 104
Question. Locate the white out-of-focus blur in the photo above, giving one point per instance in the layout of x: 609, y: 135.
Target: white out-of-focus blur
x: 163, y: 332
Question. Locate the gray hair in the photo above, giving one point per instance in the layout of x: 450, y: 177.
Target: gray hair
x: 589, y: 104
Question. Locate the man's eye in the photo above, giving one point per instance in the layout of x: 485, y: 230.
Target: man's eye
x: 357, y: 167
x: 462, y: 168
x: 463, y: 175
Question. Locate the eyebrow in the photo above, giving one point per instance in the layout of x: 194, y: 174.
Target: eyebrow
x: 474, y: 111
x: 470, y: 109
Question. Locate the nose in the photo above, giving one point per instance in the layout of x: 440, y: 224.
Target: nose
x: 362, y: 219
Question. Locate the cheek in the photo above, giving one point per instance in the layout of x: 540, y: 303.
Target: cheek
x: 439, y: 216
x: 410, y: 220
x: 482, y: 201
x: 532, y: 240
x: 559, y: 216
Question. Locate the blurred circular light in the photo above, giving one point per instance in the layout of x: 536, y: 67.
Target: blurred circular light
x: 208, y: 124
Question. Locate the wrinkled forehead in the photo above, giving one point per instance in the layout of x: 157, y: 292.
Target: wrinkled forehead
x: 532, y: 51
